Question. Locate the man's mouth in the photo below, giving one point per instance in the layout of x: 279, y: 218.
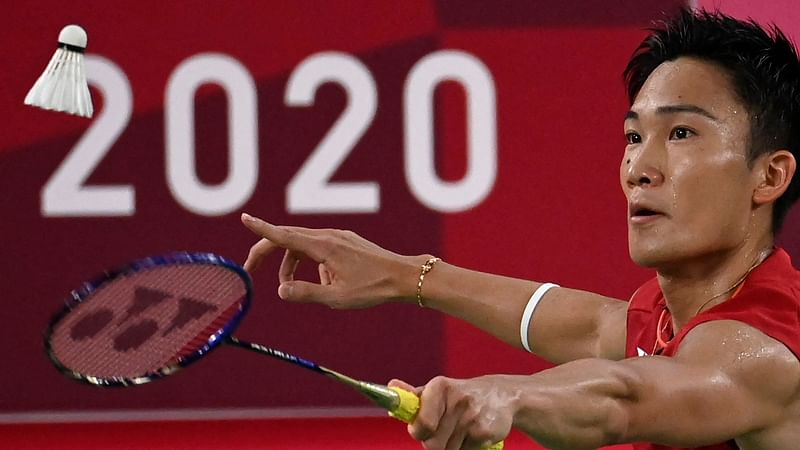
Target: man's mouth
x: 642, y: 214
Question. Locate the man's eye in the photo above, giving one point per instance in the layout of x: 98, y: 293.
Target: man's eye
x: 681, y: 133
x: 633, y: 138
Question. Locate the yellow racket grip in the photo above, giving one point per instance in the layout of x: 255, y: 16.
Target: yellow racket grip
x: 407, y: 410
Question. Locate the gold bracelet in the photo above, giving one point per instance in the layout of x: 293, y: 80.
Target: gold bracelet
x: 427, y: 267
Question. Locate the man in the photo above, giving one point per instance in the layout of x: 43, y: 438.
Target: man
x: 704, y: 355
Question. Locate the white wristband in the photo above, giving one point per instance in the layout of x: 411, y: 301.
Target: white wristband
x: 525, y: 323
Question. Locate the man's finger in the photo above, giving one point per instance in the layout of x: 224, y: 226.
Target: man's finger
x: 446, y: 436
x: 324, y: 275
x: 432, y: 407
x: 257, y: 253
x: 293, y: 238
x: 457, y: 439
x: 303, y: 291
x: 289, y: 264
x: 403, y: 385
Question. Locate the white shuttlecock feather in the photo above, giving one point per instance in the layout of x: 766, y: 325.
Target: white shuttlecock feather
x: 63, y: 86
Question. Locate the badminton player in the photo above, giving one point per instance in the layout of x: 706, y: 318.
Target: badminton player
x: 705, y: 355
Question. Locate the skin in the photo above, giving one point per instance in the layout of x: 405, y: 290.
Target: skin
x: 687, y: 136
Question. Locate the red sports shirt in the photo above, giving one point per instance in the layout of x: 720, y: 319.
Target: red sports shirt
x: 768, y: 300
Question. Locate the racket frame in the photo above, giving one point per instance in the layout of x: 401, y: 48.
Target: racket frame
x: 85, y: 291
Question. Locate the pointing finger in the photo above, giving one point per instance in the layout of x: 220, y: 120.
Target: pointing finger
x: 292, y: 238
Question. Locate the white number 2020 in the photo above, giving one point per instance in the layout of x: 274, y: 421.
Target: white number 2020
x: 311, y: 189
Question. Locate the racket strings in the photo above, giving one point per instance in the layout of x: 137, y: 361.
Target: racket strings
x: 143, y: 322
x: 202, y: 338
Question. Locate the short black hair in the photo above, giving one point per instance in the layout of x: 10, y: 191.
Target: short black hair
x: 763, y: 67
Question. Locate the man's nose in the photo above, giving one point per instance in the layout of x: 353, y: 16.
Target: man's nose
x: 643, y: 168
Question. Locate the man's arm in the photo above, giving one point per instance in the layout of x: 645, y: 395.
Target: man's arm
x: 355, y: 273
x: 728, y: 380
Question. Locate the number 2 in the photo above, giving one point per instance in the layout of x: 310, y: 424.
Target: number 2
x: 65, y: 193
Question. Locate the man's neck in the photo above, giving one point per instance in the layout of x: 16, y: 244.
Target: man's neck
x: 699, y: 285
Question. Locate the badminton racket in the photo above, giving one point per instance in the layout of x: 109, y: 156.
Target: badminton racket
x: 157, y: 315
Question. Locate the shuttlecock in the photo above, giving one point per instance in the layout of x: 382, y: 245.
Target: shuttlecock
x: 62, y: 86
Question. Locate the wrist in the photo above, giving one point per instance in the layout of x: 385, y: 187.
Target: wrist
x: 407, y: 277
x: 424, y: 270
x: 511, y: 391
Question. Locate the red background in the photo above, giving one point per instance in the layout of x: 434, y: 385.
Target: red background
x: 555, y: 212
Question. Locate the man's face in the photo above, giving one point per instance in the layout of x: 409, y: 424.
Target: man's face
x: 684, y: 171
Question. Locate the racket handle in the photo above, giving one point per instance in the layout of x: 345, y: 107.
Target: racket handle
x: 407, y: 410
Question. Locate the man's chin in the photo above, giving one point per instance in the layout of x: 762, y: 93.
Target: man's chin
x: 650, y: 258
x: 645, y: 262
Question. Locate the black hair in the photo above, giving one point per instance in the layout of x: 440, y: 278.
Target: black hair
x: 763, y: 67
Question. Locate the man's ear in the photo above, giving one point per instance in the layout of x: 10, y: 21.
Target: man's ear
x: 776, y: 172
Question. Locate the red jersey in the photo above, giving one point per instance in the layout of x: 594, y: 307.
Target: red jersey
x: 768, y: 300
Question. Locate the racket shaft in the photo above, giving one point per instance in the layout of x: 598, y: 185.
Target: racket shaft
x: 283, y: 356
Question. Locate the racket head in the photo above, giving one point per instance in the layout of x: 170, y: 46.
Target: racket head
x: 148, y: 319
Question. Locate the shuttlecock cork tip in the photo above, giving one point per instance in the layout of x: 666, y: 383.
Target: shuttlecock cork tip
x: 73, y: 35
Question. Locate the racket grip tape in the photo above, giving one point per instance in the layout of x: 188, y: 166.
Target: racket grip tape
x: 407, y: 410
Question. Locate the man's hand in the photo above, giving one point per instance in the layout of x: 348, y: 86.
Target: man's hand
x: 353, y: 272
x: 463, y: 414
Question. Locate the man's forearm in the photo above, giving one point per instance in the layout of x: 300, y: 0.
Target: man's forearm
x: 492, y: 303
x: 566, y: 325
x: 578, y: 405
